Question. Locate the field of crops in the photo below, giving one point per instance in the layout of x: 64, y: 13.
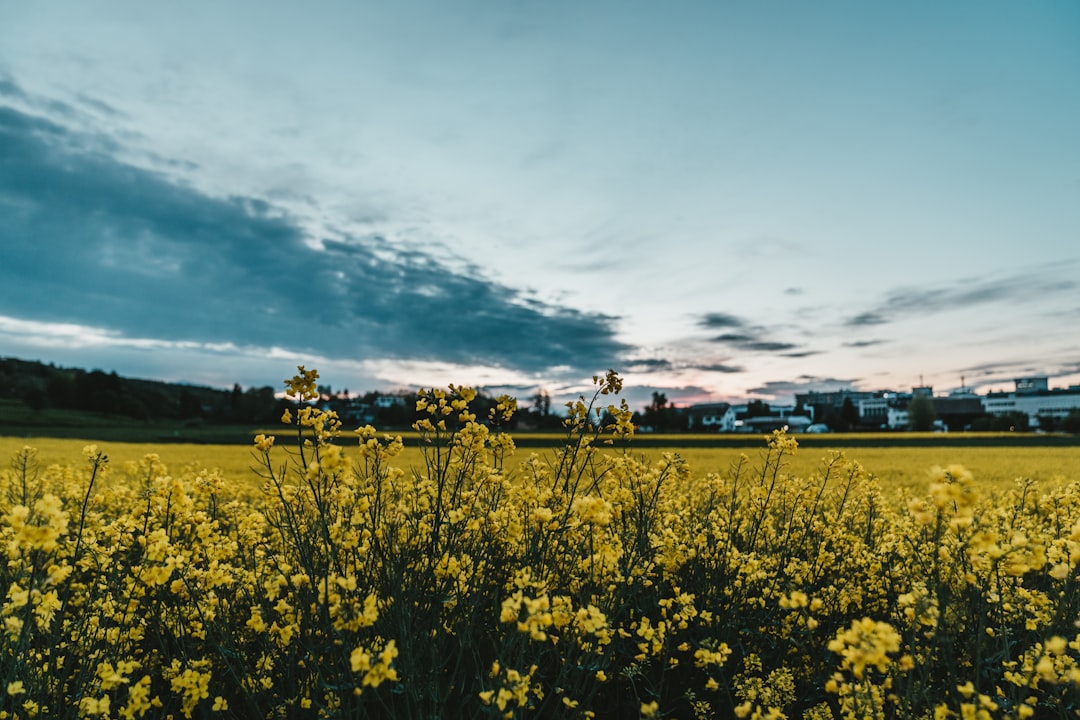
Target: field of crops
x: 995, y: 469
x: 456, y: 579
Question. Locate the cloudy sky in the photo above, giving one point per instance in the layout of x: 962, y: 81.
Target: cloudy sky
x: 718, y: 199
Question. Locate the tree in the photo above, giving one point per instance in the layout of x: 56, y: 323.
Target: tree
x: 758, y: 408
x: 35, y: 398
x: 1048, y: 423
x: 541, y: 403
x: 921, y: 413
x: 1015, y: 421
x: 99, y: 392
x: 662, y: 415
x: 653, y: 415
x: 61, y: 390
x: 190, y: 407
x: 1071, y: 422
x: 539, y: 413
x: 850, y: 414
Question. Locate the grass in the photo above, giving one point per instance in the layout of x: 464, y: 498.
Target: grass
x: 19, y: 421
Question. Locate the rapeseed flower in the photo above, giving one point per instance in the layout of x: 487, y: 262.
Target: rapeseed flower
x: 624, y: 584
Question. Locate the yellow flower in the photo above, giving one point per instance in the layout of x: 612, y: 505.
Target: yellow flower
x: 865, y: 643
x: 704, y: 657
x: 95, y: 706
x: 649, y: 710
x: 15, y: 688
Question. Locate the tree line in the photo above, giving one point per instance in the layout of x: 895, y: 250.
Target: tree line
x: 40, y: 386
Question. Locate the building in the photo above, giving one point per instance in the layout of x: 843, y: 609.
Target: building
x: 958, y: 412
x: 726, y: 418
x: 831, y: 399
x: 768, y: 423
x: 879, y: 410
x: 961, y: 409
x: 839, y: 409
x: 711, y: 417
x: 758, y: 416
x: 897, y: 418
x: 1034, y: 398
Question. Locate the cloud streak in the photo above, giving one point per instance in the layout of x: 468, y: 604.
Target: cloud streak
x: 966, y: 293
x: 785, y: 389
x: 93, y: 241
x: 743, y: 335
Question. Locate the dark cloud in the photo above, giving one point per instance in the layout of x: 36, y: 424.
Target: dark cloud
x: 1008, y: 370
x: 659, y: 364
x: 102, y: 108
x: 867, y: 318
x: 720, y: 320
x: 999, y: 375
x: 649, y: 364
x: 996, y: 367
x: 639, y: 397
x: 720, y: 368
x: 734, y: 338
x: 1068, y: 368
x: 864, y: 343
x: 9, y: 88
x: 994, y: 376
x: 94, y: 241
x: 748, y: 338
x: 967, y: 292
x: 787, y: 389
x: 794, y: 291
x: 802, y: 354
x: 767, y: 346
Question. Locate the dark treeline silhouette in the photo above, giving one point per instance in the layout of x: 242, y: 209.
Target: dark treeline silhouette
x: 40, y: 386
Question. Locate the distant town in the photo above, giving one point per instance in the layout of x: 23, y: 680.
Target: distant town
x: 34, y: 393
x: 1031, y: 406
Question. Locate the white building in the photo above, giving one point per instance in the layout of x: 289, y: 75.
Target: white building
x: 712, y: 417
x: 388, y: 401
x: 1034, y: 398
x: 897, y: 418
x: 882, y: 409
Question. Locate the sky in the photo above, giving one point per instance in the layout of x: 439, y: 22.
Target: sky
x: 721, y: 200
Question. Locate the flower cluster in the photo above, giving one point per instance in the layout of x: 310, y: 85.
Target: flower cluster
x: 588, y: 583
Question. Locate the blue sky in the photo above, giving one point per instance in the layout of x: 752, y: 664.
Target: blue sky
x: 718, y: 199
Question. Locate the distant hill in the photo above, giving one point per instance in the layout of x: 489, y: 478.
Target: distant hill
x: 40, y: 388
x: 46, y: 400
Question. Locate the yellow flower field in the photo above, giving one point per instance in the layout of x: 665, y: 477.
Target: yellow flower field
x: 896, y: 468
x: 354, y: 580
